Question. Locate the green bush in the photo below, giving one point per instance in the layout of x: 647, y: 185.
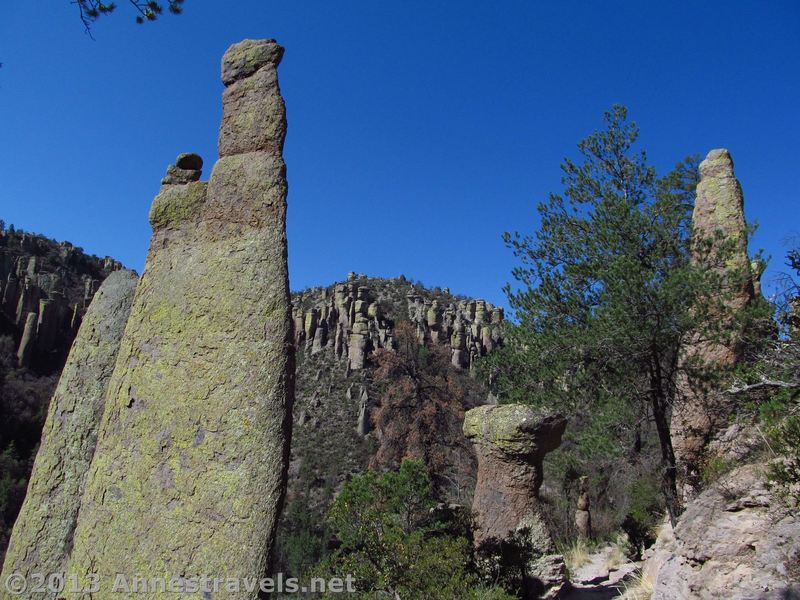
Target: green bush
x: 303, y: 545
x: 713, y: 468
x: 396, y: 544
x: 785, y: 472
x: 645, y: 507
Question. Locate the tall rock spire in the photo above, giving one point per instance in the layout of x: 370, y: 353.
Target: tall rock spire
x: 720, y: 246
x: 190, y: 469
x: 42, y: 535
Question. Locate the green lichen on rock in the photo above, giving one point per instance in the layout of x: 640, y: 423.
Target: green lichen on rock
x: 176, y: 204
x: 42, y: 536
x: 252, y: 105
x: 720, y: 246
x: 512, y: 428
x: 718, y: 215
x: 190, y: 470
x: 245, y: 58
x: 189, y: 161
x: 510, y: 536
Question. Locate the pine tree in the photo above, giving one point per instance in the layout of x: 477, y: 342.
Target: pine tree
x: 146, y: 10
x: 605, y: 291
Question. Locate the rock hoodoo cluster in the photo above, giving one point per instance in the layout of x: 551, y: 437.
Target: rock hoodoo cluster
x: 511, y: 540
x: 42, y: 536
x: 720, y: 232
x: 335, y: 430
x: 351, y: 321
x: 43, y: 307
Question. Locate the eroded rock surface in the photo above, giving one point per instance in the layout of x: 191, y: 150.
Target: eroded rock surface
x: 190, y: 468
x: 338, y: 428
x: 42, y: 535
x: 45, y: 288
x: 511, y: 540
x: 735, y: 541
x: 721, y: 247
x: 351, y: 322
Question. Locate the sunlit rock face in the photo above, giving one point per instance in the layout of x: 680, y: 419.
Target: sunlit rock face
x: 43, y: 532
x: 190, y: 469
x: 512, y: 543
x: 720, y: 246
x: 737, y: 540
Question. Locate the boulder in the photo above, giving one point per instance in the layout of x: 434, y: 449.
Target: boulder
x: 736, y: 541
x: 189, y: 161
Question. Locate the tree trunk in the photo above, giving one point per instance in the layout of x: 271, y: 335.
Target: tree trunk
x: 669, y: 477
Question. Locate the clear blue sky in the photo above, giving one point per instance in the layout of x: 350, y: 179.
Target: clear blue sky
x: 419, y: 131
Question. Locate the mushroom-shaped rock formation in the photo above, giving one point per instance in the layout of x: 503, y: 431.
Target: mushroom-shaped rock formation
x: 511, y: 541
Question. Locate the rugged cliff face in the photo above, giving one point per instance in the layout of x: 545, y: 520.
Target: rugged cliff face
x: 45, y: 288
x: 738, y: 539
x: 356, y: 404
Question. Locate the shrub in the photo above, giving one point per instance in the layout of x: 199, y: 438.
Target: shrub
x: 785, y: 472
x: 394, y: 543
x: 576, y: 555
x: 713, y: 468
x: 644, y: 511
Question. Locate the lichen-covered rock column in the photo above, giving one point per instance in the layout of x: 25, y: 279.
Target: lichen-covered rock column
x: 720, y: 246
x: 42, y: 535
x: 512, y: 543
x: 190, y: 470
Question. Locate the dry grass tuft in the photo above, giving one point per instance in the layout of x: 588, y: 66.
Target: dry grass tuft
x: 577, y: 555
x: 620, y: 551
x: 638, y: 587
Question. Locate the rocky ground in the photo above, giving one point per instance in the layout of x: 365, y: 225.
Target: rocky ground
x: 601, y: 577
x: 738, y: 539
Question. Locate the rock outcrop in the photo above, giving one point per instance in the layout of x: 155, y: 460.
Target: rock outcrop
x: 340, y: 417
x: 45, y: 287
x: 583, y: 517
x: 42, y: 535
x: 511, y: 540
x: 720, y: 245
x: 26, y: 342
x: 189, y: 472
x: 735, y: 541
x: 350, y: 322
